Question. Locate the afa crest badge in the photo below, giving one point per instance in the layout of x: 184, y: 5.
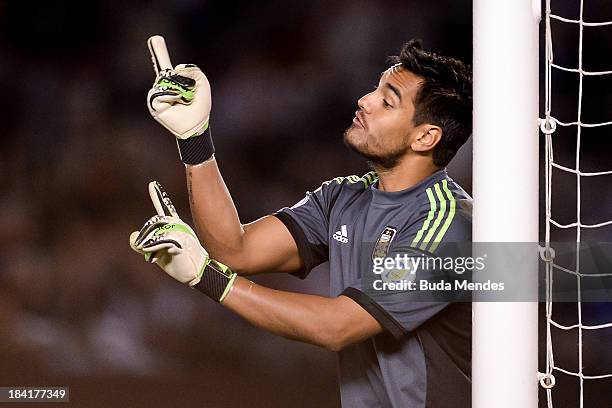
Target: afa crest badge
x: 381, y: 248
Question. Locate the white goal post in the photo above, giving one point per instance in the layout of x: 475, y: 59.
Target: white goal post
x: 505, y: 190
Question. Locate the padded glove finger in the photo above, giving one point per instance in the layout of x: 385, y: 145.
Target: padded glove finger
x: 150, y: 226
x: 162, y: 203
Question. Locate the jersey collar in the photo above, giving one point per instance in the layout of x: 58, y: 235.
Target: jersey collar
x: 400, y: 197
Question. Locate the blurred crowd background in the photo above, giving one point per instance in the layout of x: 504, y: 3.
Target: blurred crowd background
x: 77, y: 148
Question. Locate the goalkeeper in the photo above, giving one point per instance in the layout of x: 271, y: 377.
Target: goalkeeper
x: 393, y: 350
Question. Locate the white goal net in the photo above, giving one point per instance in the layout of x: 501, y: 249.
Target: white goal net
x: 552, y: 126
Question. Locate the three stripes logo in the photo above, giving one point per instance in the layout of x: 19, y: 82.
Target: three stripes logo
x: 442, y: 206
x: 341, y: 235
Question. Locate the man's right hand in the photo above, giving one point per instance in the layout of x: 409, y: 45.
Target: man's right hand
x: 180, y: 100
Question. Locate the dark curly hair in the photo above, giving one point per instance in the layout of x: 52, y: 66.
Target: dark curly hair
x: 444, y: 98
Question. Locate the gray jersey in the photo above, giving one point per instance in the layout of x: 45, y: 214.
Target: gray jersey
x: 422, y: 359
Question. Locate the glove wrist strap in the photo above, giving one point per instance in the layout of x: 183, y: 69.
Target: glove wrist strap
x: 196, y: 149
x: 216, y: 282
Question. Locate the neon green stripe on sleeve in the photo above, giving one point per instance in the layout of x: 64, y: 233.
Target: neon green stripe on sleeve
x: 430, y: 216
x: 438, y: 220
x: 449, y: 219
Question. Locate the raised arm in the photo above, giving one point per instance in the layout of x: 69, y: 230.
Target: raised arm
x: 180, y: 100
x: 264, y: 245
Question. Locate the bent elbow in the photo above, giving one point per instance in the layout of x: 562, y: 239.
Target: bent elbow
x: 237, y: 266
x: 335, y: 339
x: 237, y: 262
x: 334, y: 346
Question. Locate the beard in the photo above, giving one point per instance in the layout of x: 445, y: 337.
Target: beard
x: 382, y: 160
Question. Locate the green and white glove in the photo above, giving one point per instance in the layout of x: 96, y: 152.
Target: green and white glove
x: 180, y: 100
x: 169, y: 242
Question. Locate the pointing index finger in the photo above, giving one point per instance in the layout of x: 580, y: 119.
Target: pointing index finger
x: 161, y: 201
x: 159, y: 54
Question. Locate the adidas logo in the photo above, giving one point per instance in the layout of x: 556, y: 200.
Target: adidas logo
x: 341, y: 235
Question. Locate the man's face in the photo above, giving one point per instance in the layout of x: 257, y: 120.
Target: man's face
x: 382, y: 130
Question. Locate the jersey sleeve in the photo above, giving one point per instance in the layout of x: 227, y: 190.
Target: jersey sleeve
x: 308, y: 223
x: 399, y: 311
x: 439, y: 229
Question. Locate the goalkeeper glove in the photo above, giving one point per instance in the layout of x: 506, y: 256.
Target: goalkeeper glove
x: 180, y: 100
x: 171, y: 243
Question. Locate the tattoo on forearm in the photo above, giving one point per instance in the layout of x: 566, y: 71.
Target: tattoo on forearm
x: 189, y: 187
